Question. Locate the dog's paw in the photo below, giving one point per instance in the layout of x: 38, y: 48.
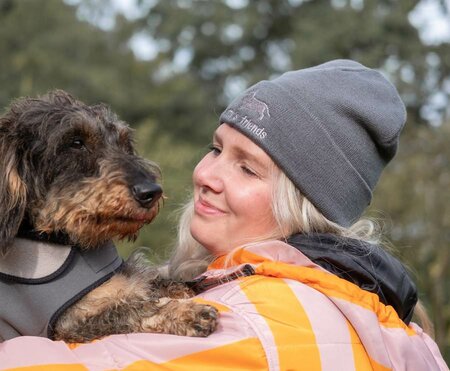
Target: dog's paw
x: 203, y: 320
x: 183, y: 317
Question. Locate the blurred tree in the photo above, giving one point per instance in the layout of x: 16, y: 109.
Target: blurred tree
x: 414, y: 193
x: 233, y: 43
x: 43, y: 46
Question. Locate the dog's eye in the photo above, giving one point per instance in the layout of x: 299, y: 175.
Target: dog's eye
x: 77, y: 143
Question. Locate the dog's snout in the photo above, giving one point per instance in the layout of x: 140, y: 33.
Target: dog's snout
x: 146, y: 193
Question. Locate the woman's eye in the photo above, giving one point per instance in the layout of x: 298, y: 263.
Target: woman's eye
x: 214, y: 150
x: 77, y: 143
x: 248, y: 171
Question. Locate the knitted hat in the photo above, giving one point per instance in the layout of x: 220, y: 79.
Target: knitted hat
x: 331, y: 128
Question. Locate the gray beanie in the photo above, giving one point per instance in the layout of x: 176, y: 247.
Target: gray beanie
x: 331, y: 128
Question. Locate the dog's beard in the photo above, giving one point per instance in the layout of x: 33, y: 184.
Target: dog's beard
x: 90, y: 219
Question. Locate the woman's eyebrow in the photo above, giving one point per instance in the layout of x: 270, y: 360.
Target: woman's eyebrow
x: 243, y: 154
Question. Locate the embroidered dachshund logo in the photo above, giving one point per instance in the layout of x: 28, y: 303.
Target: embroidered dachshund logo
x: 250, y: 102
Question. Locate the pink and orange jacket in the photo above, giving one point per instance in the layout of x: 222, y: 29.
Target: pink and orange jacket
x: 290, y: 314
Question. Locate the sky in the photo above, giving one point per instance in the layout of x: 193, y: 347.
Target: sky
x: 434, y: 26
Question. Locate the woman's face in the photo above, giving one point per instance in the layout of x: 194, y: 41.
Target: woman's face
x: 232, y: 193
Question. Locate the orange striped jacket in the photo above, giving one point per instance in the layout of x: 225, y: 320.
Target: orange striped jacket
x: 289, y: 315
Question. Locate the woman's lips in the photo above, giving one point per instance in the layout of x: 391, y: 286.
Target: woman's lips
x: 205, y: 208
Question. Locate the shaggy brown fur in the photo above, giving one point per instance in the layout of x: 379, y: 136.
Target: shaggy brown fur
x: 71, y: 169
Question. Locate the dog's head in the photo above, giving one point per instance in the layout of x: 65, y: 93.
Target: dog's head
x: 71, y: 168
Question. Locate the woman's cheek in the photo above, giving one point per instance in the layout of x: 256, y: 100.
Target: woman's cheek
x: 244, y: 198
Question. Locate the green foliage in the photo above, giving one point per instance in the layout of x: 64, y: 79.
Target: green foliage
x: 44, y: 46
x: 415, y: 193
x: 266, y: 37
x: 174, y: 106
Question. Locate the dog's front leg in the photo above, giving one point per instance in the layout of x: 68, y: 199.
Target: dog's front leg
x: 136, y: 300
x: 126, y: 305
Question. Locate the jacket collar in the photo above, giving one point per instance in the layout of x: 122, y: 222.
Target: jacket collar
x: 365, y: 265
x: 368, y: 266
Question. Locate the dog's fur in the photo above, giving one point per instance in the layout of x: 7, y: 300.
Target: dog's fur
x: 71, y: 169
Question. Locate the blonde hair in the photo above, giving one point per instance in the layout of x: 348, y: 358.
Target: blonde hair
x: 293, y: 213
x: 189, y: 258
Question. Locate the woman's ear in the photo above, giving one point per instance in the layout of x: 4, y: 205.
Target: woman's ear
x: 13, y: 190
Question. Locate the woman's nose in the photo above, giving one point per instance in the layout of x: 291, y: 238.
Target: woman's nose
x: 209, y: 174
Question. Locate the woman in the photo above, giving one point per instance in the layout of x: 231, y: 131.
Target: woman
x: 297, y: 276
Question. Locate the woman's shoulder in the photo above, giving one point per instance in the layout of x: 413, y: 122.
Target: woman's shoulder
x: 284, y: 313
x: 264, y: 300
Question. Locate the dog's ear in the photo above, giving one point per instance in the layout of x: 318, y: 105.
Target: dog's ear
x: 13, y: 190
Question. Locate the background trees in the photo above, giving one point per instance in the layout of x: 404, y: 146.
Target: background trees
x: 169, y: 67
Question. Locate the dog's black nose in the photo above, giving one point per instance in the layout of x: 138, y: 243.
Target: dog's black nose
x: 146, y: 193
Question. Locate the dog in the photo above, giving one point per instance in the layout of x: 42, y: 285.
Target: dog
x: 70, y: 182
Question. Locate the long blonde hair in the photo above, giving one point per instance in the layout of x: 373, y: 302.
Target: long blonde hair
x: 294, y: 213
